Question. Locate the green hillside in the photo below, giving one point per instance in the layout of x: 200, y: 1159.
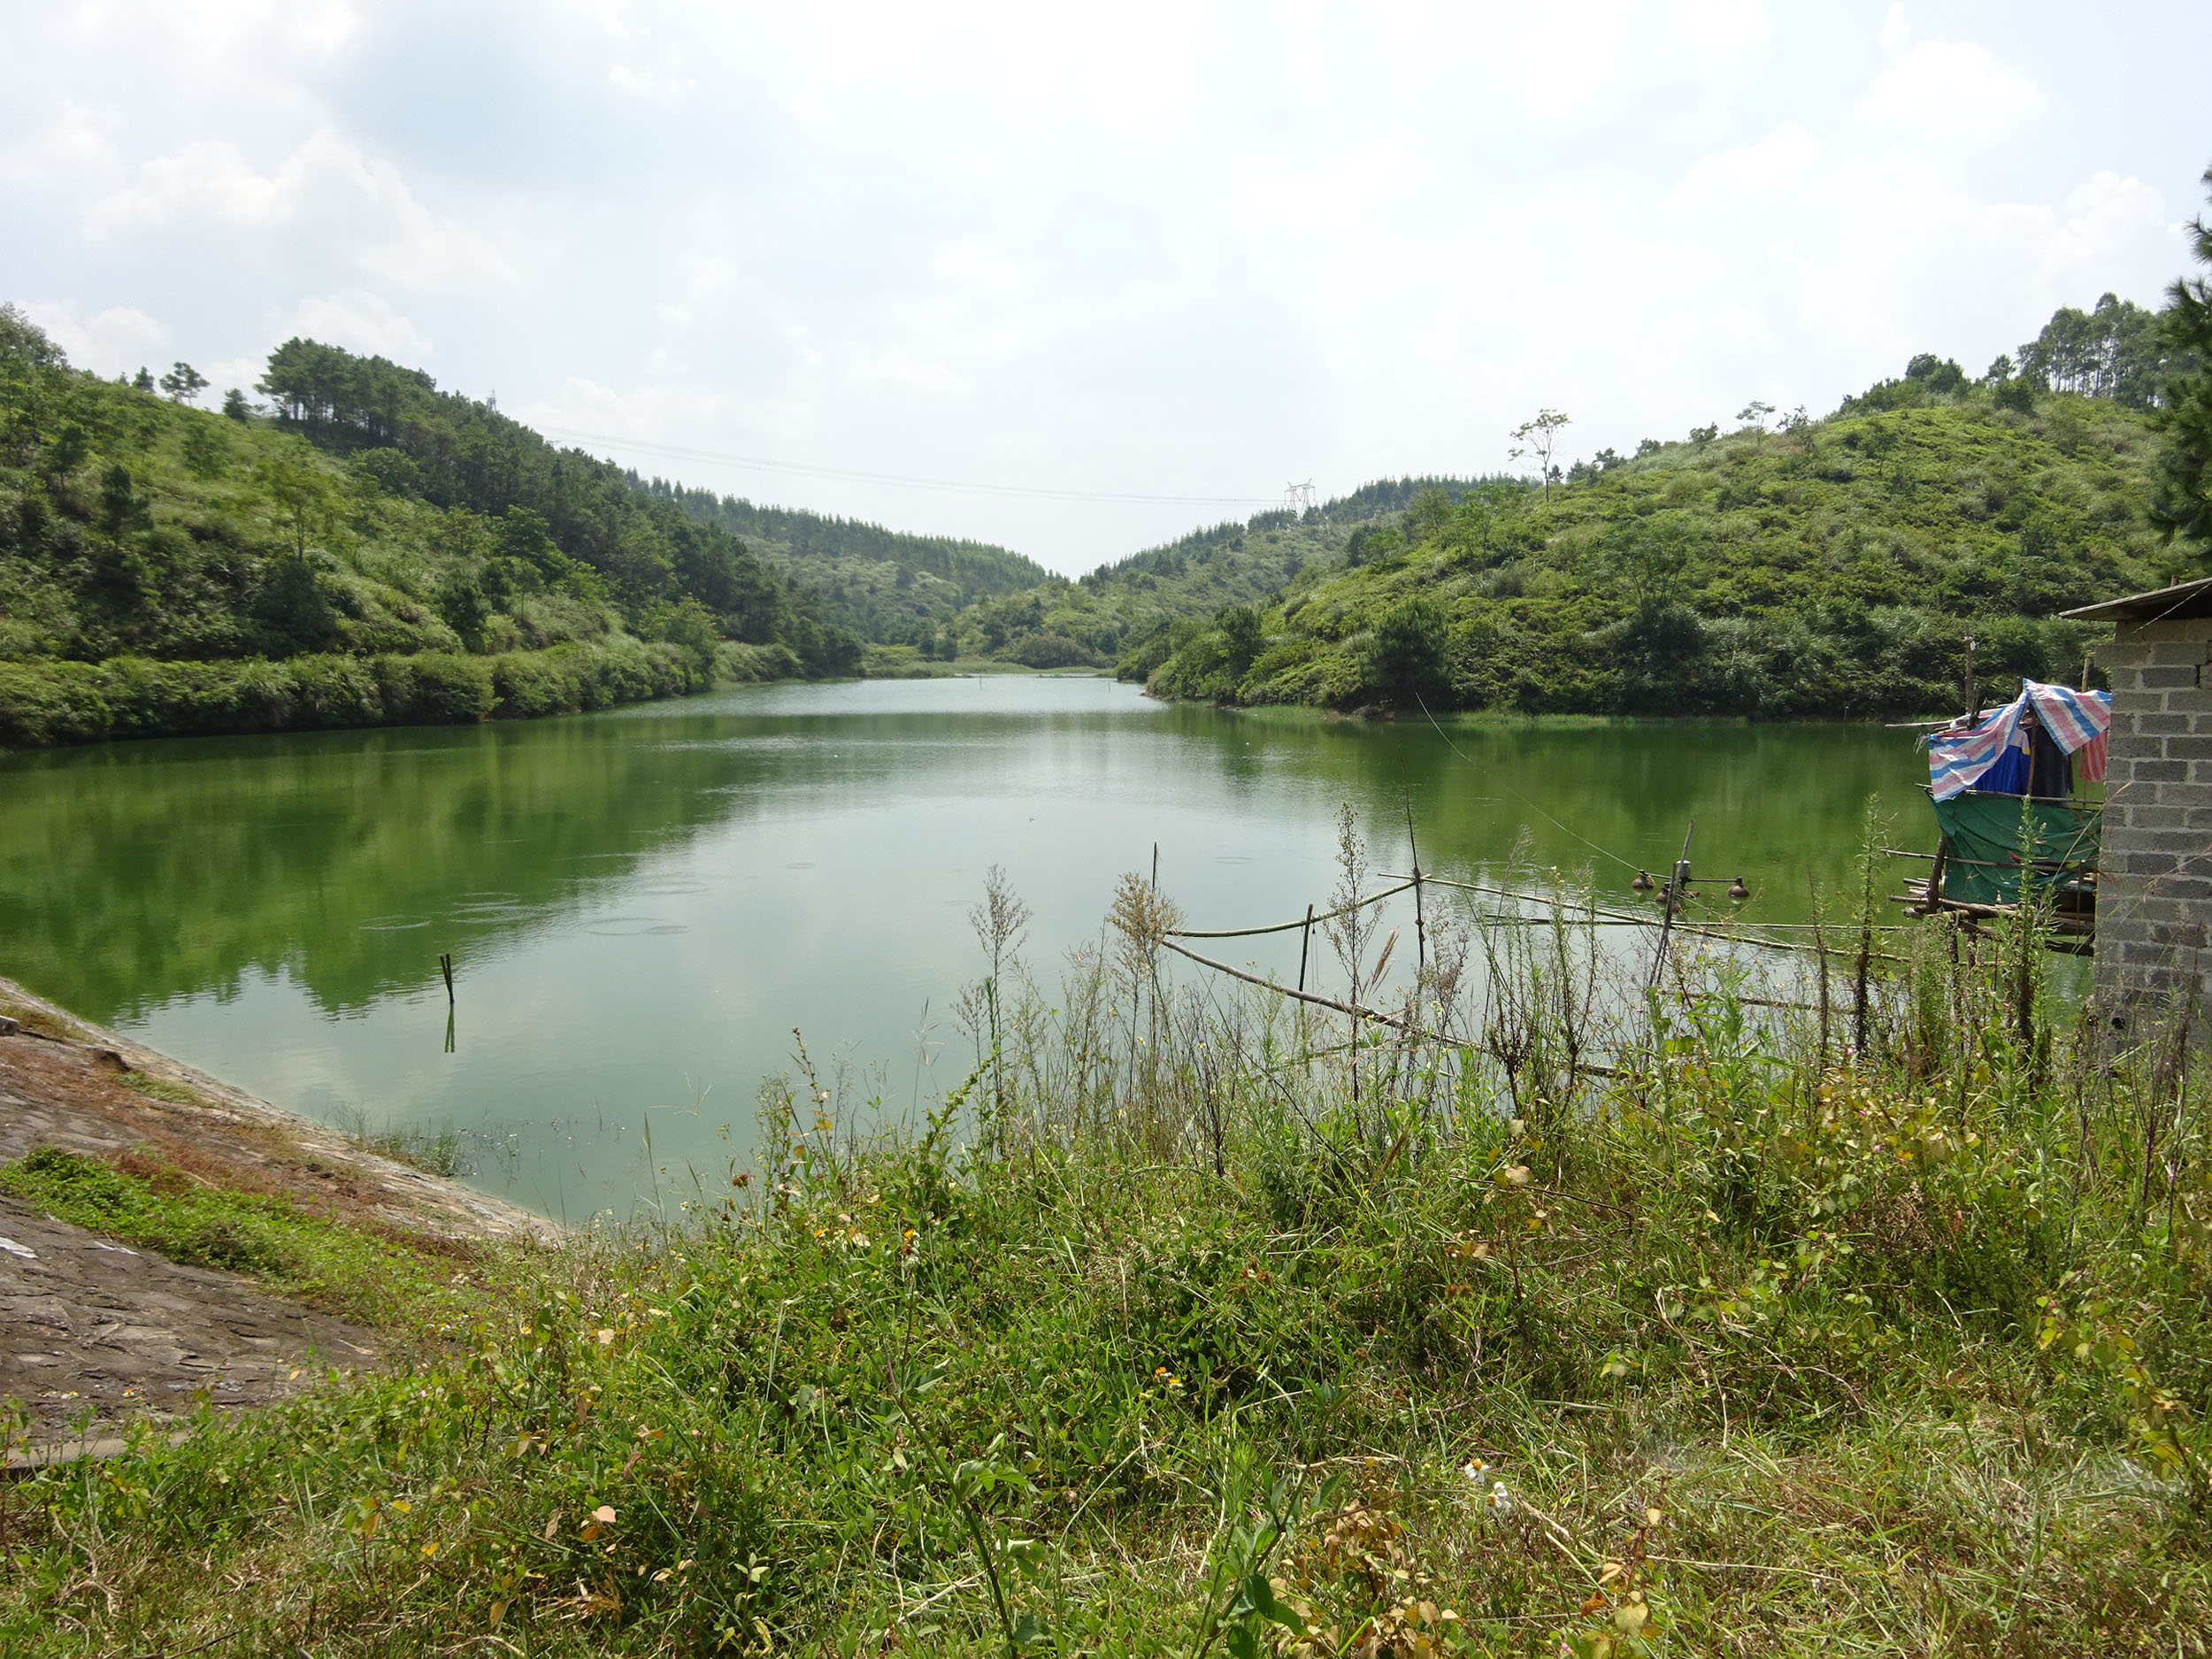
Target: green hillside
x: 377, y: 551
x: 890, y: 588
x: 1833, y: 568
x: 1134, y: 611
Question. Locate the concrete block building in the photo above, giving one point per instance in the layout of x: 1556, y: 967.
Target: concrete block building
x: 2155, y: 876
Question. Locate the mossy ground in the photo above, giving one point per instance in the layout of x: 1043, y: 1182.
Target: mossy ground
x: 386, y: 1278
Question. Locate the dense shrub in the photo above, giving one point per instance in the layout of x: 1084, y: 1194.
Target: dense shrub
x: 47, y: 702
x: 1054, y: 650
x: 1831, y: 569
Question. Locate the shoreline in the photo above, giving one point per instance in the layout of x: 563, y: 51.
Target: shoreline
x: 71, y: 1067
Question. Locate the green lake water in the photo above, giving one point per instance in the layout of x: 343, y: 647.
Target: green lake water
x: 643, y: 905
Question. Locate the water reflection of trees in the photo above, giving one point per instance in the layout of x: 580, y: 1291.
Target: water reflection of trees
x: 139, y: 872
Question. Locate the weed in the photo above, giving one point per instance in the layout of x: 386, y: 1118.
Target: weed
x: 1619, y: 1324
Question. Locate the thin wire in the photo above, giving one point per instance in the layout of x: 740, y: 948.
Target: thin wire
x: 1523, y: 799
x: 850, y: 475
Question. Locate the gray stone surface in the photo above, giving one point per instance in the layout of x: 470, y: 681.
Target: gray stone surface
x: 95, y: 1333
x: 2155, y: 881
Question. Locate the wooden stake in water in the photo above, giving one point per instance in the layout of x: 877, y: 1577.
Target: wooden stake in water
x: 445, y: 961
x: 1677, y: 886
x: 1155, y: 866
x: 1305, y: 943
x: 1420, y: 919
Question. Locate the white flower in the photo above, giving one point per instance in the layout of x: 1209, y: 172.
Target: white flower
x: 1474, y: 1469
x: 1499, y: 1502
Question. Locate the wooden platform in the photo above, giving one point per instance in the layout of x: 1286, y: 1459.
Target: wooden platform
x: 2073, y: 923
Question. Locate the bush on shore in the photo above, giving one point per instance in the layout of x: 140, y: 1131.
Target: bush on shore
x: 44, y: 702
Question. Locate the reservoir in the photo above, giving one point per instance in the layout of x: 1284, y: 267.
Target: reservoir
x: 644, y: 905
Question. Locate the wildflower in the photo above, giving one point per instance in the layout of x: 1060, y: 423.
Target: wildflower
x: 1474, y: 1469
x: 1499, y: 1504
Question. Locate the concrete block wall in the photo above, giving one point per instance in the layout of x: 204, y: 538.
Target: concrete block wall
x: 2155, y: 877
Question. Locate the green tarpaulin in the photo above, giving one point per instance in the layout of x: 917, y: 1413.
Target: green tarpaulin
x: 1982, y: 845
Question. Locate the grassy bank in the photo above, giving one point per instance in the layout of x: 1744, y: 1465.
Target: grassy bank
x: 1834, y: 568
x: 1679, y: 1323
x: 44, y: 704
x: 368, y: 552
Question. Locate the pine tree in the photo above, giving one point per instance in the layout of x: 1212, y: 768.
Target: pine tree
x: 2182, y: 505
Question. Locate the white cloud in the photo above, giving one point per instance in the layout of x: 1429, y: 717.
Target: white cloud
x: 1727, y: 30
x: 359, y: 321
x: 116, y: 341
x: 74, y: 146
x: 1192, y: 250
x: 2064, y: 251
x: 1777, y: 161
x: 209, y: 180
x: 317, y: 26
x: 326, y: 188
x: 1952, y: 89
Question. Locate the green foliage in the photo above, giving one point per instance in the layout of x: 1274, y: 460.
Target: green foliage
x: 1832, y: 569
x: 1212, y: 1336
x: 47, y: 702
x: 2183, y: 504
x: 1404, y: 661
x: 376, y: 520
x: 1133, y: 614
x: 285, y: 1248
x: 2119, y: 351
x: 889, y: 587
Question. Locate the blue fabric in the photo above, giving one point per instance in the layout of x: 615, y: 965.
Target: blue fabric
x: 2008, y: 774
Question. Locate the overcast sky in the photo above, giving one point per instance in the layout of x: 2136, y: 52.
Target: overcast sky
x: 1170, y: 250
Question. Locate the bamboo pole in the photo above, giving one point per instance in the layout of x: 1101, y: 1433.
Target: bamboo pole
x: 1284, y: 927
x: 1674, y: 895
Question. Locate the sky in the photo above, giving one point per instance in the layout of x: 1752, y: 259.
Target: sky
x: 1080, y: 278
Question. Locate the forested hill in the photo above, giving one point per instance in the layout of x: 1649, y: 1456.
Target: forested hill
x: 1133, y: 611
x: 1831, y: 567
x: 1825, y: 566
x: 889, y: 586
x: 376, y: 550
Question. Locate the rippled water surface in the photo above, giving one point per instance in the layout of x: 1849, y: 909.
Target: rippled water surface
x: 642, y: 905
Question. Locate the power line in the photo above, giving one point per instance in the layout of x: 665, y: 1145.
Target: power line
x: 851, y: 475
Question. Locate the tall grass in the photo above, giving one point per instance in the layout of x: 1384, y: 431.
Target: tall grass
x: 1539, y: 1306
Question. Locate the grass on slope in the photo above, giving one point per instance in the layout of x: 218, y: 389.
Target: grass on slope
x: 1134, y: 612
x: 1182, y: 1329
x: 289, y: 1251
x: 1835, y: 569
x: 163, y: 568
x: 891, y: 587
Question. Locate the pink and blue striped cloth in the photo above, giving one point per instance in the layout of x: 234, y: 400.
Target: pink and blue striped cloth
x: 2076, y: 720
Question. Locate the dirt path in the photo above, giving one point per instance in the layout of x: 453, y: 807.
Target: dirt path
x: 88, y: 1327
